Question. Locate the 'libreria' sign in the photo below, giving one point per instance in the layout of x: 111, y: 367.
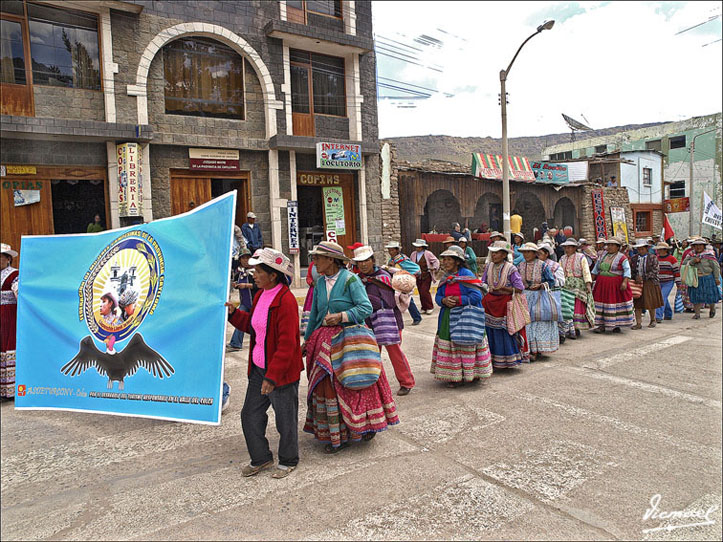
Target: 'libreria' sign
x: 338, y: 155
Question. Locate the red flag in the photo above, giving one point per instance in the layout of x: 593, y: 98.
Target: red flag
x: 667, y: 232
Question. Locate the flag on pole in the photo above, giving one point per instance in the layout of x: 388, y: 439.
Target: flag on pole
x: 711, y: 213
x: 667, y: 231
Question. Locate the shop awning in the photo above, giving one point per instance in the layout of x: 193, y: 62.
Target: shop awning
x: 489, y: 166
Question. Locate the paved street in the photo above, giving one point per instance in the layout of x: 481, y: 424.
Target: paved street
x: 573, y: 447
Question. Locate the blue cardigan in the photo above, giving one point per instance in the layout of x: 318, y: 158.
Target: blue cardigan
x: 470, y: 294
x: 348, y: 295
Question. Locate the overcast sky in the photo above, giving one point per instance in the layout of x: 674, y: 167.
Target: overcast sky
x: 611, y: 63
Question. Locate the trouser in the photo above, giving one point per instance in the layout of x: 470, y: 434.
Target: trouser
x: 285, y: 402
x: 414, y: 311
x: 402, y: 370
x: 666, y: 310
x: 237, y: 339
x: 424, y: 283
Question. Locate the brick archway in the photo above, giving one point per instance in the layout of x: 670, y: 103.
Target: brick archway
x: 221, y: 34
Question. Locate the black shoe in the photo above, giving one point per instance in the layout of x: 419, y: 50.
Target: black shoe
x: 416, y: 322
x: 562, y: 339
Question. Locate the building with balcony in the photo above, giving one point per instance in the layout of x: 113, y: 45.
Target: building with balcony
x: 141, y: 109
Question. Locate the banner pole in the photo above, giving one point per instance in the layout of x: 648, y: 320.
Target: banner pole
x: 702, y: 210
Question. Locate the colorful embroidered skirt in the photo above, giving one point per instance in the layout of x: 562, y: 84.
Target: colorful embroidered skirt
x: 506, y: 350
x: 337, y: 414
x: 543, y: 337
x: 577, y: 303
x: 706, y: 292
x: 453, y: 362
x: 613, y: 308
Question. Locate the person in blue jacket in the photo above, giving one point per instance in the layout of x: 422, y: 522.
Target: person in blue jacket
x: 517, y: 240
x: 252, y: 233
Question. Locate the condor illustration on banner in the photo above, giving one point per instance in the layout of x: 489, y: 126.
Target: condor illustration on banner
x: 136, y: 322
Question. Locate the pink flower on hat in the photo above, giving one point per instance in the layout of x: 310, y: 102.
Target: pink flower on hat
x: 279, y: 260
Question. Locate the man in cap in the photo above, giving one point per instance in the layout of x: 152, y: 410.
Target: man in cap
x: 252, y: 233
x: 399, y: 261
x: 428, y: 265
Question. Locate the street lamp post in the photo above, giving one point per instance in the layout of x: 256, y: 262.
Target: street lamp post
x: 505, y: 148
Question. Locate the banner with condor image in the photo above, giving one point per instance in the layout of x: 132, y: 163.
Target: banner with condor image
x: 127, y: 322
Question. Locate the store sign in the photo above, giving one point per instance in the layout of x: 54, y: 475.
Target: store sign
x: 214, y: 159
x: 334, y: 209
x: 548, y: 172
x: 598, y: 213
x: 18, y: 170
x: 338, y: 156
x: 130, y: 185
x: 318, y: 179
x: 677, y: 205
x: 292, y: 211
x: 620, y: 225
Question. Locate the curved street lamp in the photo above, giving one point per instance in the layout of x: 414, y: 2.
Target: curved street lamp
x: 505, y: 150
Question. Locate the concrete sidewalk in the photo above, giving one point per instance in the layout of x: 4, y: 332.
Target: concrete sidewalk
x: 574, y: 447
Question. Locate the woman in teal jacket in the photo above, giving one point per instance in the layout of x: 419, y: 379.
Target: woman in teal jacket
x: 338, y: 415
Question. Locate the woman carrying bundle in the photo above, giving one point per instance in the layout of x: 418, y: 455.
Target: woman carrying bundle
x: 578, y: 305
x: 542, y: 335
x: 466, y: 360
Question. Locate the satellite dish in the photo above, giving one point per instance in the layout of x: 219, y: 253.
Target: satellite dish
x: 575, y: 126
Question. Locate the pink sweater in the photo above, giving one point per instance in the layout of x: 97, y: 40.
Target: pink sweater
x: 259, y: 320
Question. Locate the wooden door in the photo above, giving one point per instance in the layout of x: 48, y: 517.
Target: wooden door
x: 35, y: 219
x: 301, y: 109
x: 189, y: 192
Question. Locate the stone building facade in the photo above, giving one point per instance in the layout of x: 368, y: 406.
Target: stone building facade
x: 267, y: 80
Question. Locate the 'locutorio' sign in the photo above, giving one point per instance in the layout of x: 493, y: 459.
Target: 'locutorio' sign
x: 338, y: 155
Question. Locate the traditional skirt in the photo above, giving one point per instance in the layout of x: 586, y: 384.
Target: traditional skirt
x: 336, y: 414
x: 577, y: 303
x: 652, y: 297
x: 613, y: 308
x: 706, y: 292
x: 542, y: 335
x: 8, y: 323
x: 453, y: 362
x: 507, y: 350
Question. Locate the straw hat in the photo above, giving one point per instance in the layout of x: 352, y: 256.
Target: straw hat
x: 362, y: 253
x: 453, y: 252
x: 500, y: 245
x: 449, y: 239
x: 528, y: 247
x: 698, y: 241
x: 496, y: 234
x: 330, y: 250
x: 420, y: 243
x: 7, y: 249
x: 615, y: 240
x: 274, y: 259
x: 569, y: 242
x: 662, y: 245
x: 393, y: 244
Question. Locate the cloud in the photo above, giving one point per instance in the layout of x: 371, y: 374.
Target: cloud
x: 613, y: 62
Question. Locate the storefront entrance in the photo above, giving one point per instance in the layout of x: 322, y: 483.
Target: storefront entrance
x: 190, y: 189
x: 51, y: 200
x: 326, y: 207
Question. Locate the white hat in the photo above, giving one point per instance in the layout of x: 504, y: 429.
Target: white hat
x: 518, y: 234
x: 362, y: 253
x: 699, y: 241
x: 500, y: 245
x: 250, y: 215
x: 496, y: 234
x: 569, y: 242
x: 274, y: 259
x: 420, y: 243
x: 640, y: 243
x: 6, y: 249
x: 532, y: 247
x: 393, y: 244
x: 583, y: 241
x: 545, y: 246
x: 462, y: 240
x: 454, y: 252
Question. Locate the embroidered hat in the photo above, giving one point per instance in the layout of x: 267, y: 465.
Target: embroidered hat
x: 546, y: 247
x: 528, y: 247
x: 583, y: 241
x: 496, y: 234
x: 601, y: 240
x: 453, y: 252
x: 614, y: 240
x: 393, y: 244
x: 420, y: 243
x: 362, y: 253
x: 274, y: 259
x: 500, y: 245
x: 6, y: 249
x: 570, y: 242
x: 329, y: 249
x: 128, y: 297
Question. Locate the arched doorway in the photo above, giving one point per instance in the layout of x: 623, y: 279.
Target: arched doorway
x: 440, y: 211
x: 564, y: 214
x: 531, y: 210
x: 489, y: 211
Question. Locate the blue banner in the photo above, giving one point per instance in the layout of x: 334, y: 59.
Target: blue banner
x: 128, y: 322
x: 546, y: 172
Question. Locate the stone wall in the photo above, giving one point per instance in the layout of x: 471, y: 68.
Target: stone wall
x: 68, y: 103
x: 391, y: 226
x: 612, y: 197
x: 52, y: 153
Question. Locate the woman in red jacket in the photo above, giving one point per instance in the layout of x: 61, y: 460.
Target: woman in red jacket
x: 274, y: 365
